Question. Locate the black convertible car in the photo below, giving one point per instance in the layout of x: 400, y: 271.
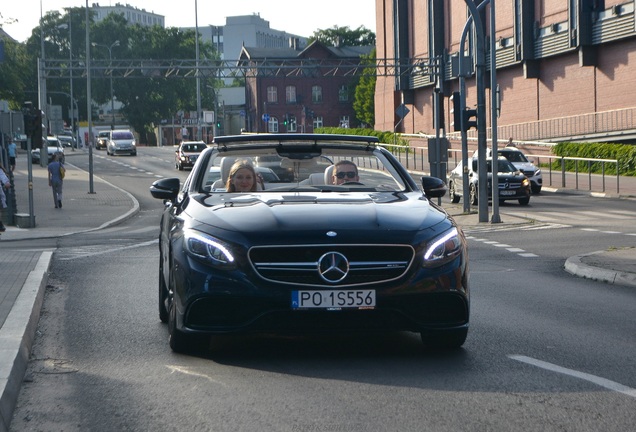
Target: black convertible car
x: 349, y: 243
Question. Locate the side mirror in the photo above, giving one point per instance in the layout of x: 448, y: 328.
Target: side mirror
x: 166, y: 189
x: 433, y: 187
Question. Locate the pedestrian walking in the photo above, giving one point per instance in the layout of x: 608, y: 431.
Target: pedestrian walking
x: 5, y: 183
x: 13, y: 154
x: 56, y: 179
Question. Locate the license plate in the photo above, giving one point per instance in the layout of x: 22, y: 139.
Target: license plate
x: 333, y: 299
x: 507, y: 192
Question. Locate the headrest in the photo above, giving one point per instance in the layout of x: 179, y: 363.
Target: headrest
x: 329, y: 175
x: 226, y: 165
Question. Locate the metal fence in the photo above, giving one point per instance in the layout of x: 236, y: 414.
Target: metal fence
x: 415, y: 159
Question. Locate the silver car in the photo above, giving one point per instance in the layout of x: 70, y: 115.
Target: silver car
x: 121, y: 141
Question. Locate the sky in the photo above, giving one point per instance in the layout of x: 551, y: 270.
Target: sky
x: 293, y: 16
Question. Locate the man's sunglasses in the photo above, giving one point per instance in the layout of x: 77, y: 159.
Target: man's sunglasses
x: 343, y: 174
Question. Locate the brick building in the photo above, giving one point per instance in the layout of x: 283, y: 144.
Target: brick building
x: 566, y: 69
x: 291, y: 90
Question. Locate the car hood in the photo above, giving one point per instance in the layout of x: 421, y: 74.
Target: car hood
x: 524, y: 166
x: 394, y: 214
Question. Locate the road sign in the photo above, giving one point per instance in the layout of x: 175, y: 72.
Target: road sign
x: 402, y: 111
x: 265, y: 117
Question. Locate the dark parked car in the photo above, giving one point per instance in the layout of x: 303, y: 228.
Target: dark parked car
x: 513, y: 184
x: 372, y: 253
x: 523, y: 164
x: 187, y: 153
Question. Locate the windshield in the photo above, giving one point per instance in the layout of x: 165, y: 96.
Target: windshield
x: 194, y: 148
x: 513, y: 156
x: 122, y: 135
x: 306, y: 169
x: 503, y: 164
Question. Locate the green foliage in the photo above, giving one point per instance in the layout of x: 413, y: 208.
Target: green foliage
x: 147, y: 96
x: 384, y: 136
x: 364, y: 100
x: 625, y: 154
x: 12, y: 85
x: 344, y: 36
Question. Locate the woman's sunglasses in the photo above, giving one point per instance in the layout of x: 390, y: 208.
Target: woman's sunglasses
x: 343, y: 174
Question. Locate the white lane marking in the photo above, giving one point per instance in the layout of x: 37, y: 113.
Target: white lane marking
x: 509, y: 248
x: 515, y: 250
x: 188, y: 371
x: 610, y: 385
x: 112, y: 250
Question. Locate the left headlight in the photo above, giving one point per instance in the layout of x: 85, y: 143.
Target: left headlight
x: 443, y: 248
x: 208, y: 248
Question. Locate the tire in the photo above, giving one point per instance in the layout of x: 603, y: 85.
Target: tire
x: 451, y: 193
x: 536, y: 190
x: 473, y: 194
x: 180, y: 167
x: 181, y: 342
x: 524, y: 201
x: 164, y: 314
x: 444, y: 339
x: 178, y: 340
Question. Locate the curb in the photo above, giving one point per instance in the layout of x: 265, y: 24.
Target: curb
x: 575, y: 266
x: 17, y: 335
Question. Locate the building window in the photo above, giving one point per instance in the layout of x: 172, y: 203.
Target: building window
x: 316, y: 94
x: 317, y: 122
x: 344, y: 122
x: 272, y: 94
x: 290, y: 94
x: 292, y: 125
x: 272, y: 125
x: 343, y: 93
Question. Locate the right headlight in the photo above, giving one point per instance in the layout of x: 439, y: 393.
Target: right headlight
x: 208, y: 248
x: 443, y: 248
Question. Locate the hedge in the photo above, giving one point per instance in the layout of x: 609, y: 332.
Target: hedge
x: 625, y: 154
x: 384, y: 137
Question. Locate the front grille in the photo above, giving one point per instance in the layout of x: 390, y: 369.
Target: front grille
x: 509, y: 185
x: 356, y: 264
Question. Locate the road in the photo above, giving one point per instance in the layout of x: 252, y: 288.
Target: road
x: 546, y: 351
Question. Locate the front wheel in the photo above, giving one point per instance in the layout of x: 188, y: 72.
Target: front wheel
x: 164, y: 315
x: 179, y: 341
x: 524, y: 201
x: 473, y: 194
x: 452, y: 193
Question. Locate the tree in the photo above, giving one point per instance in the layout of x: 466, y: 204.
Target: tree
x: 364, y: 98
x: 153, y: 96
x: 147, y: 97
x: 344, y: 36
x: 12, y: 82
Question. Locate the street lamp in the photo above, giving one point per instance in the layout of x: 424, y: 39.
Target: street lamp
x: 70, y: 69
x: 112, y: 100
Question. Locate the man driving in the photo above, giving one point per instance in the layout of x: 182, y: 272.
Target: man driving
x: 345, y: 172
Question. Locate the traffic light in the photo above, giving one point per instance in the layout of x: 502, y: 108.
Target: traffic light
x: 28, y: 123
x: 286, y: 119
x: 455, y: 110
x: 470, y: 118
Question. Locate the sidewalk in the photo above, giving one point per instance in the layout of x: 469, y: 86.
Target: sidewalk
x: 24, y: 273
